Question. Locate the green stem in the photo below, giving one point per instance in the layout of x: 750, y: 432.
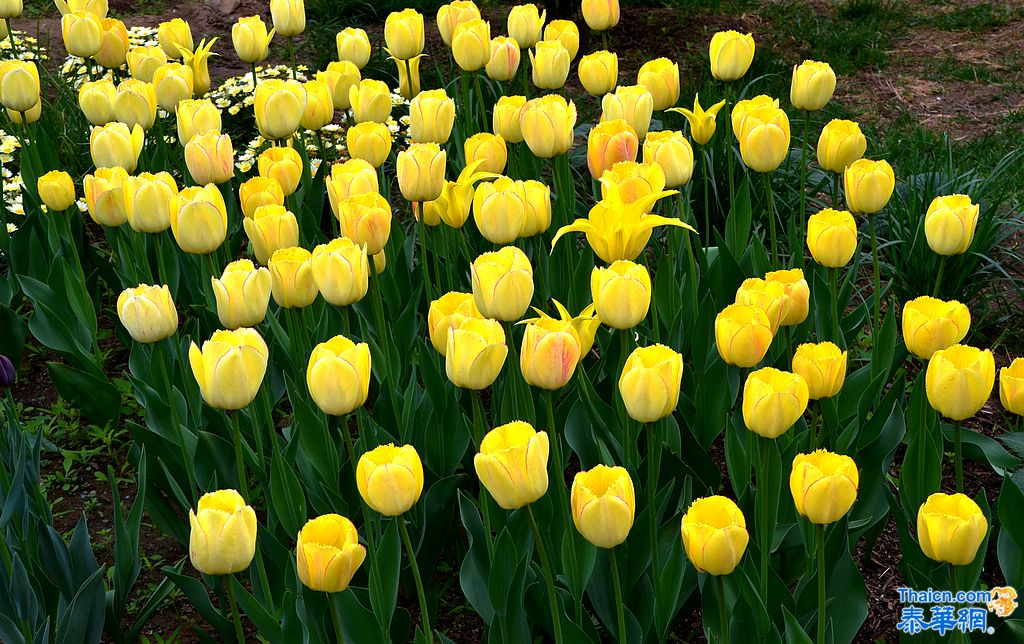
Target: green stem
x: 762, y: 503
x: 730, y: 157
x: 820, y: 528
x: 770, y: 196
x: 604, y: 40
x: 235, y: 615
x: 10, y: 36
x: 480, y: 99
x: 558, y: 479
x: 874, y: 272
x: 816, y: 438
x: 549, y: 577
x: 620, y: 609
x: 347, y: 438
x: 691, y: 262
x: 339, y: 635
x: 291, y: 55
x: 161, y: 366
x: 236, y: 436
x: 835, y: 190
x: 255, y: 81
x: 833, y: 275
x: 938, y: 276
x: 423, y: 229
x: 424, y: 614
x: 707, y: 197
x: 723, y: 615
x: 958, y: 457
x: 653, y: 457
x: 479, y: 430
x: 802, y: 217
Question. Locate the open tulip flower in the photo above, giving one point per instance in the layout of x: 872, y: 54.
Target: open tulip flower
x: 714, y: 535
x: 513, y: 464
x: 328, y: 553
x: 702, y: 122
x: 824, y: 485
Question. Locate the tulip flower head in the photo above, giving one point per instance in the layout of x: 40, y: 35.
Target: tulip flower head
x: 56, y: 190
x: 661, y: 78
x: 868, y: 185
x: 199, y: 219
x: 271, y: 228
x: 502, y: 283
x: 773, y: 401
x: 525, y: 23
x: 832, y: 237
x: 223, y: 536
x: 599, y: 72
x: 823, y: 366
x: 764, y: 139
x: 959, y: 380
x: 505, y: 58
x: 812, y: 86
x: 499, y: 210
x: 289, y: 17
x: 565, y: 32
x: 353, y: 46
x: 284, y: 165
x: 547, y: 125
x: 475, y: 353
x: 950, y: 528
x: 824, y: 485
x: 292, y: 283
x: 328, y: 553
x: 279, y: 106
x: 1011, y: 387
x: 769, y: 296
x: 586, y: 323
x: 550, y: 64
x: 472, y: 45
x: 601, y: 15
x: 147, y: 201
x: 196, y: 117
x: 431, y: 117
x: 104, y: 196
x: 96, y: 100
x: 369, y: 141
x: 174, y: 36
x: 731, y: 54
x: 633, y: 103
x: 505, y: 118
x: 116, y: 145
x: 608, y: 143
x: 513, y: 464
x: 840, y: 144
x: 797, y: 291
x: 621, y: 293
x: 242, y: 294
x: 930, y: 325
x: 714, y: 535
x: 259, y: 191
x: 702, y: 122
x: 230, y: 367
x: 144, y: 61
x: 251, y: 39
x: 148, y: 313
x: 403, y: 34
x: 550, y: 353
x: 671, y: 151
x: 949, y: 224
x: 603, y: 505
x: 421, y: 169
x: 489, y: 149
x: 453, y: 14
x: 341, y: 271
x: 449, y: 312
x: 650, y: 381
x: 743, y: 334
x: 198, y: 61
x: 340, y: 77
x: 390, y: 478
x: 338, y: 376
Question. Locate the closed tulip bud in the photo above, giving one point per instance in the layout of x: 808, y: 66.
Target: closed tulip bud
x: 823, y: 366
x: 380, y: 262
x: 148, y: 313
x: 370, y: 142
x: 832, y: 237
x: 175, y: 35
x: 259, y: 191
x: 633, y: 103
x: 505, y: 120
x: 599, y: 72
x: 10, y: 9
x: 251, y: 39
x: 949, y: 224
x: 499, y: 210
x: 279, y: 106
x: 210, y: 158
x: 550, y: 64
x: 471, y: 44
x: 672, y: 152
x: 632, y: 182
x: 341, y: 271
x: 950, y: 528
x: 743, y: 334
x: 338, y: 375
x: 370, y: 100
x: 824, y: 485
x: 270, y: 229
x: 502, y: 283
x: 340, y: 76
x: 603, y: 505
x: 547, y: 125
x: 104, y: 196
x: 702, y: 123
x: 328, y: 553
x: 930, y: 325
x: 199, y: 219
x: 550, y: 352
x: 431, y: 116
x: 348, y: 179
x: 196, y: 117
x: 798, y: 294
x: 565, y: 32
x: 525, y: 23
x: 289, y: 17
x: 1011, y: 387
x: 319, y: 105
x: 19, y: 89
x: 453, y: 14
x: 649, y: 383
x: 764, y: 140
x: 408, y: 76
x: 113, y: 52
x: 449, y: 312
x: 812, y: 86
x: 769, y: 296
x: 742, y: 108
x: 868, y: 185
x: 7, y: 373
x: 223, y: 536
x: 475, y: 353
x: 135, y: 104
x: 147, y: 201
x: 292, y: 284
x: 82, y: 32
x: 513, y: 464
x: 114, y: 144
x: 731, y: 54
x: 353, y: 46
x: 714, y: 535
x: 283, y: 164
x: 97, y: 7
x: 420, y: 170
x: 366, y: 219
x: 661, y: 78
x: 622, y: 293
x: 489, y: 149
x: 538, y: 208
x: 403, y: 34
x: 144, y: 61
x: 959, y: 380
x: 390, y: 478
x: 601, y: 15
x: 56, y: 190
x: 174, y: 83
x: 773, y: 401
x: 96, y: 99
x: 504, y: 61
x: 242, y: 294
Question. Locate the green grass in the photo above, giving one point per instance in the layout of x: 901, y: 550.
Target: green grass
x: 976, y: 18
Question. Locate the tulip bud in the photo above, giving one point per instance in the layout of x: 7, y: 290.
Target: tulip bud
x: 798, y: 294
x: 650, y: 381
x: 550, y: 352
x: 340, y: 77
x: 670, y: 150
x: 714, y: 535
x: 279, y: 106
x: 19, y: 89
x: 823, y: 366
x: 538, y: 208
x: 868, y: 185
x: 196, y: 117
x: 525, y: 22
x: 824, y: 485
x: 348, y: 179
x: 475, y: 353
x: 175, y: 35
x: 144, y: 61
x: 113, y: 51
x: 601, y: 15
x: 631, y: 182
x: 135, y: 104
x: 174, y: 83
x: 370, y: 100
x: 504, y: 61
x: 621, y: 293
x: 251, y: 39
x: 104, y: 196
x: 390, y: 479
x: 812, y: 86
x: 599, y: 72
x: 199, y: 219
x: 764, y: 139
x: 550, y: 64
x: 633, y: 103
x: 769, y: 296
x: 259, y: 191
x: 661, y: 78
x: 338, y: 375
x: 950, y: 528
x: 930, y: 325
x: 451, y: 15
x: 283, y: 164
x: 471, y: 44
x: 731, y: 54
x: 409, y: 76
x: 499, y: 210
x: 565, y: 32
x: 353, y: 46
x: 115, y: 144
x: 832, y: 237
x: 1011, y: 387
x: 502, y: 283
x: 366, y: 220
x: 82, y: 32
x: 431, y: 116
x: 10, y: 9
x: 505, y: 119
x: 603, y: 505
x: 210, y: 158
x: 148, y: 313
x: 773, y: 401
x: 56, y: 190
x: 949, y: 224
x: 742, y: 108
x: 403, y: 34
x: 420, y: 170
x: 489, y: 149
x: 513, y: 464
x: 370, y: 142
x: 547, y: 125
x: 270, y: 229
x: 289, y: 17
x: 223, y: 537
x: 242, y: 294
x: 319, y: 105
x: 959, y: 380
x: 449, y: 312
x: 291, y: 270
x: 341, y: 271
x: 743, y: 334
x: 7, y: 373
x: 147, y: 201
x: 96, y: 99
x: 328, y: 553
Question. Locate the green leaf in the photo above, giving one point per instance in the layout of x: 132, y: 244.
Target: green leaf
x: 287, y: 502
x: 476, y: 567
x: 98, y: 399
x: 267, y: 625
x: 82, y: 620
x: 385, y: 573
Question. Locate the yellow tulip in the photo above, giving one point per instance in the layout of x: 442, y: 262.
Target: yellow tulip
x: 429, y: 212
x: 1011, y: 387
x: 513, y: 464
x: 599, y: 72
x: 147, y: 201
x: 743, y: 334
x: 270, y: 229
x: 82, y: 32
x: 769, y: 296
x: 525, y: 22
x: 328, y: 553
x: 174, y: 83
x: 456, y: 200
x: 453, y: 14
x: 144, y: 61
x: 409, y: 76
x: 714, y: 535
x: 475, y: 353
x: 19, y: 89
x: 196, y: 117
x: 504, y: 61
x: 633, y: 103
x: 135, y: 104
x: 764, y: 139
x: 499, y: 210
x: 632, y: 182
x: 97, y: 7
x: 251, y: 39
x: 502, y: 283
x: 403, y: 34
x: 390, y: 479
x: 338, y: 375
x: 661, y: 78
x: 431, y: 116
x: 319, y: 105
x: 950, y: 528
x: 369, y: 141
x: 930, y: 325
x: 96, y: 99
x: 601, y: 15
x: 56, y: 190
x: 550, y: 352
x: 959, y: 380
x: 114, y: 144
x: 104, y: 196
x: 773, y: 401
x: 731, y: 54
x: 223, y: 533
x: 650, y: 381
x: 832, y: 237
x: 550, y: 64
x: 812, y: 86
x: 292, y: 284
x: 348, y: 179
x: 702, y: 122
x: 798, y: 294
x: 471, y: 44
x: 174, y: 35
x: 672, y: 153
x: 340, y: 77
x: 565, y: 32
x: 289, y: 17
x: 489, y: 149
x: 113, y: 52
x: 259, y: 191
x: 29, y: 117
x: 210, y: 158
x: 230, y: 367
x: 547, y: 125
x: 622, y: 293
x: 740, y: 110
x: 199, y: 219
x: 10, y: 9
x: 505, y: 119
x: 283, y: 164
x: 420, y: 169
x: 868, y: 185
x: 148, y: 313
x: 449, y: 312
x: 370, y: 100
x: 279, y: 106
x: 366, y: 220
x: 823, y: 366
x: 608, y: 143
x: 603, y: 505
x: 198, y: 62
x: 341, y: 271
x: 353, y: 46
x: 380, y: 262
x: 538, y: 208
x: 585, y: 324
x: 949, y: 224
x: 242, y: 294
x: 824, y: 485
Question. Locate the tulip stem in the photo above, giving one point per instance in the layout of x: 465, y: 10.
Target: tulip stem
x: 619, y: 605
x: 161, y: 366
x: 938, y: 276
x: 339, y: 634
x: 835, y: 191
x: 480, y: 99
x: 770, y: 196
x: 479, y: 431
x: 723, y: 614
x: 833, y: 276
x: 423, y: 255
x: 764, y: 528
x: 236, y: 616
x: 689, y: 250
x: 604, y: 40
x: 653, y: 458
x: 958, y: 457
x: 558, y: 479
x: 817, y: 439
x: 291, y: 55
x: 874, y: 271
x: 706, y: 171
x: 236, y: 436
x: 730, y: 158
x: 255, y: 80
x: 10, y: 36
x: 549, y: 577
x: 424, y: 614
x: 820, y: 529
x: 802, y: 217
